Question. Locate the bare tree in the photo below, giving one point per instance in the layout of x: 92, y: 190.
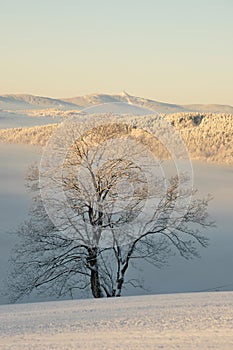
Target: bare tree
x: 118, y: 216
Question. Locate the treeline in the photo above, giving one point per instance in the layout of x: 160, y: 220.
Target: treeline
x: 208, y: 137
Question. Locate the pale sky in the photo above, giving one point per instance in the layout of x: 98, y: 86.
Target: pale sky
x: 178, y: 51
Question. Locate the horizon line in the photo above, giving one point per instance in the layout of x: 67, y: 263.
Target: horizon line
x: 122, y: 93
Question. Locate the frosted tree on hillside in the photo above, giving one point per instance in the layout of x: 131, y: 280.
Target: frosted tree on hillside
x: 100, y: 202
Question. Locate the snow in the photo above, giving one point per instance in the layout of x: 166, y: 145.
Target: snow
x: 177, y: 321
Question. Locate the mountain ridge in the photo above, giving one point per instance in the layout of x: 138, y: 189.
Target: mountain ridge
x: 25, y: 101
x: 28, y: 101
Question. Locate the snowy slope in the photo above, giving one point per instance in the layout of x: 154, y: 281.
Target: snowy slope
x: 120, y: 108
x: 20, y: 101
x: 178, y: 321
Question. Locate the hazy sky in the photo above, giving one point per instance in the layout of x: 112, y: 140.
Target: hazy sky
x: 171, y: 50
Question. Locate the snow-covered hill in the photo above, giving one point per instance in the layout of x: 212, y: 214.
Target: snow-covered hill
x: 208, y: 137
x: 124, y: 97
x: 21, y: 102
x: 178, y: 321
x: 29, y: 102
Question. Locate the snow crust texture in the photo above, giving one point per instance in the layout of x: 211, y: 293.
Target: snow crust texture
x: 178, y: 321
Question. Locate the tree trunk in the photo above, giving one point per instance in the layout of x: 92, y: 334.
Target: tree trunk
x: 121, y: 276
x: 95, y: 280
x: 95, y: 284
x: 119, y: 286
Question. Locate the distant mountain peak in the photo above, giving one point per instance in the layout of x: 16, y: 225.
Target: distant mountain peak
x: 124, y: 94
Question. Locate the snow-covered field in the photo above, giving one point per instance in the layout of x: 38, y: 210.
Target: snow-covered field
x: 177, y: 321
